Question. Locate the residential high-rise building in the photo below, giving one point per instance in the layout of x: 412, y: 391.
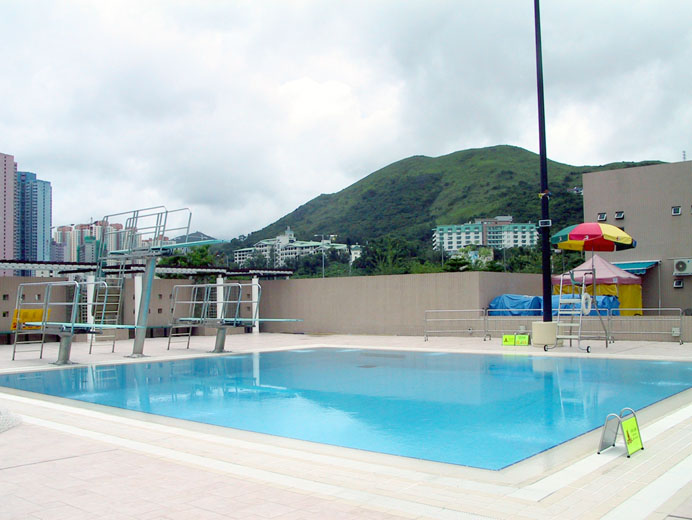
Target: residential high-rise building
x: 33, y: 206
x: 8, y: 169
x: 74, y: 237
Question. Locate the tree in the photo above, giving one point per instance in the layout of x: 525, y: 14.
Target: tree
x: 257, y: 261
x: 456, y: 264
x: 387, y: 256
x: 200, y: 256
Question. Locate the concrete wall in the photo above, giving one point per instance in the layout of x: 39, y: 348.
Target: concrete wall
x: 382, y: 304
x: 354, y: 305
x: 34, y: 294
x: 646, y: 195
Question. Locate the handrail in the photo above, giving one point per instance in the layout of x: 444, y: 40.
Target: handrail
x: 457, y: 321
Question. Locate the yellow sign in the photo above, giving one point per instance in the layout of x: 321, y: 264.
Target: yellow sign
x: 508, y: 340
x: 522, y: 339
x: 630, y: 429
x: 28, y: 315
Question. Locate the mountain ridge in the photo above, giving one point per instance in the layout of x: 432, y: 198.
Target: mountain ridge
x: 411, y: 196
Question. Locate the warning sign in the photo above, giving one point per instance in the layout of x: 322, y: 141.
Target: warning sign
x: 508, y: 340
x: 630, y: 429
x: 522, y: 339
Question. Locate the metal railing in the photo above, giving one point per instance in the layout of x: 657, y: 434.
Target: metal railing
x: 665, y: 322
x: 53, y: 310
x: 470, y: 321
x: 653, y: 322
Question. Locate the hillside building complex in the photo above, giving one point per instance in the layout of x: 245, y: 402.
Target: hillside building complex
x: 499, y: 233
x: 285, y: 246
x: 654, y: 205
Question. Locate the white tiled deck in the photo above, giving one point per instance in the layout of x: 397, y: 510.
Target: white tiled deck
x: 76, y: 460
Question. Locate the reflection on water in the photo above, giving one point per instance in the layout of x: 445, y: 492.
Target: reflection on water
x: 484, y: 411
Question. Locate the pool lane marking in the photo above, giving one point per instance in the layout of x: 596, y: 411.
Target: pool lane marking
x: 364, y: 498
x: 417, y: 476
x: 560, y: 479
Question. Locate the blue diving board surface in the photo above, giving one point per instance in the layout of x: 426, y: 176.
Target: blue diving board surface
x: 82, y: 327
x: 237, y: 320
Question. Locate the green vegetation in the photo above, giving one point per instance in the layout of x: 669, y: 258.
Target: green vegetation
x: 201, y: 256
x: 410, y: 197
x: 392, y: 211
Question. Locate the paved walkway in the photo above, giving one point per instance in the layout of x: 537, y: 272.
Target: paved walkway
x: 76, y: 460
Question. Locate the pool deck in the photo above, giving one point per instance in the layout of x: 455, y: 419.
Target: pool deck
x: 81, y: 461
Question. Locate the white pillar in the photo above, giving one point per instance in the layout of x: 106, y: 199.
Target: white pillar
x: 255, y: 306
x: 219, y: 297
x: 90, y: 289
x: 138, y: 294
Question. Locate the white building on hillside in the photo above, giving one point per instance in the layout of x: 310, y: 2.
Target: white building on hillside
x: 285, y: 246
x: 499, y: 233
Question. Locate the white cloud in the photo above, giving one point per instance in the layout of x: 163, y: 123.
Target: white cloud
x: 245, y: 110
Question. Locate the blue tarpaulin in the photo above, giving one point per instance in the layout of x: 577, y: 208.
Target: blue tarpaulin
x: 524, y: 305
x: 515, y: 305
x: 605, y: 304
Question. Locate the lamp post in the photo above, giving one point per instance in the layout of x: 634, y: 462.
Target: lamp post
x: 544, y: 193
x: 322, y: 235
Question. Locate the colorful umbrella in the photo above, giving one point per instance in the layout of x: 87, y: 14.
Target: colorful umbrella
x: 592, y: 236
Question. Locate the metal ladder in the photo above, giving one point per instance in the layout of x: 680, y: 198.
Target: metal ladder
x: 108, y: 296
x: 198, y: 306
x: 570, y: 312
x: 107, y: 300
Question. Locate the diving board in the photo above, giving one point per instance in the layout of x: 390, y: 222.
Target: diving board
x: 68, y: 299
x: 219, y: 306
x: 143, y: 235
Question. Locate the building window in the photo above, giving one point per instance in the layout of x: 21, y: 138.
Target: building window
x: 602, y: 217
x: 676, y: 210
x: 5, y: 297
x: 619, y: 215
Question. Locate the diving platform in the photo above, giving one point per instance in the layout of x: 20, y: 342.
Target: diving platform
x: 220, y: 306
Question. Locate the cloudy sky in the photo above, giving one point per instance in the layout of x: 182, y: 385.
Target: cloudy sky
x: 244, y: 110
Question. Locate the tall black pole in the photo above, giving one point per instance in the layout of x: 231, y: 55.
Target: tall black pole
x: 545, y: 214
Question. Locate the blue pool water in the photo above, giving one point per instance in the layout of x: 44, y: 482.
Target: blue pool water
x: 485, y: 411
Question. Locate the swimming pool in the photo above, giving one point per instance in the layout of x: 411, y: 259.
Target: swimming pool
x: 485, y: 411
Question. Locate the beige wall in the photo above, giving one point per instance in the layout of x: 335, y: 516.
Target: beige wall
x: 646, y: 195
x: 382, y: 304
x: 392, y: 305
x: 34, y: 294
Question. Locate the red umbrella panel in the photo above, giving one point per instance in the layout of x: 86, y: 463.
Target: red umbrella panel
x: 593, y: 236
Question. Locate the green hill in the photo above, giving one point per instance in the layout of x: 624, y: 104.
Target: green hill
x: 409, y: 197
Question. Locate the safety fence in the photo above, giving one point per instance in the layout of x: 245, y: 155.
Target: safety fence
x: 662, y: 324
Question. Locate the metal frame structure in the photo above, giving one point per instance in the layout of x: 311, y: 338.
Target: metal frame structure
x: 216, y: 305
x: 609, y: 434
x: 660, y: 322
x: 73, y: 304
x: 142, y: 237
x: 571, y: 307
